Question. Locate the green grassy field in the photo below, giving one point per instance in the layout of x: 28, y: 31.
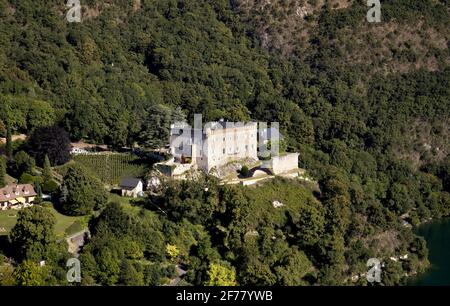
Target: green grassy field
x: 67, y: 225
x: 8, y: 219
x: 117, y: 198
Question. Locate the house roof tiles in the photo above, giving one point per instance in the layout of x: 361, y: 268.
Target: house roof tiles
x: 14, y: 191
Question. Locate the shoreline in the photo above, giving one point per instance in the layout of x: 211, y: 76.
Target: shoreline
x: 413, y: 279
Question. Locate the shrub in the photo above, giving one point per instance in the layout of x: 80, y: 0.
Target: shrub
x: 27, y: 179
x: 245, y: 171
x: 81, y: 193
x: 50, y: 187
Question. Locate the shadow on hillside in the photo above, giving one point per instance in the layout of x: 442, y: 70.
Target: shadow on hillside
x: 5, y: 246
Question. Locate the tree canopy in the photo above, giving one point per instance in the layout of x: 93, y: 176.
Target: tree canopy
x: 82, y: 192
x: 53, y: 142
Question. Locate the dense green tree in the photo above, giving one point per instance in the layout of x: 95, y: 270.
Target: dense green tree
x: 244, y: 171
x: 399, y: 199
x: 392, y: 273
x: 293, y: 268
x: 47, y: 171
x: 380, y: 216
x: 53, y: 142
x: 108, y: 266
x: 195, y: 200
x: 89, y: 265
x: 40, y: 114
x: 330, y: 275
x: 29, y: 273
x: 33, y: 237
x: 9, y: 143
x: 445, y: 203
x: 336, y: 200
x: 418, y: 246
x: 129, y: 275
x: 160, y: 116
x: 84, y: 192
x: 254, y: 271
x: 221, y: 274
x: 22, y: 163
x: 2, y: 171
x: 153, y: 274
x: 201, y: 255
x: 113, y: 218
x: 309, y: 225
x: 331, y: 251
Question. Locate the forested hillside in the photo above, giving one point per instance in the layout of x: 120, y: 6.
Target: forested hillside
x: 366, y: 105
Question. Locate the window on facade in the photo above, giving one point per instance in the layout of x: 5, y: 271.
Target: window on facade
x: 223, y: 151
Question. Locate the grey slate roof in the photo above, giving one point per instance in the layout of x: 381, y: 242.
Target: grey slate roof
x: 129, y: 183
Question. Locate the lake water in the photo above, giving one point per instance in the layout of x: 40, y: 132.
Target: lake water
x: 437, y: 235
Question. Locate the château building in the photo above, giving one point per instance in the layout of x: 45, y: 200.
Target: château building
x: 219, y: 144
x: 216, y: 145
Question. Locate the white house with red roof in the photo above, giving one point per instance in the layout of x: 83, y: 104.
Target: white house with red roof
x: 17, y: 196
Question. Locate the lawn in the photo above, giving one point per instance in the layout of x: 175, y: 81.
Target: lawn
x: 7, y: 220
x: 66, y: 225
x: 71, y: 224
x: 117, y: 198
x: 129, y: 204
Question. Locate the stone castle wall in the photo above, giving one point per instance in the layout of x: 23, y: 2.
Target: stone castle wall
x: 283, y: 163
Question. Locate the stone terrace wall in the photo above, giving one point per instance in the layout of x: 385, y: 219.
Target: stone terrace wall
x: 284, y: 163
